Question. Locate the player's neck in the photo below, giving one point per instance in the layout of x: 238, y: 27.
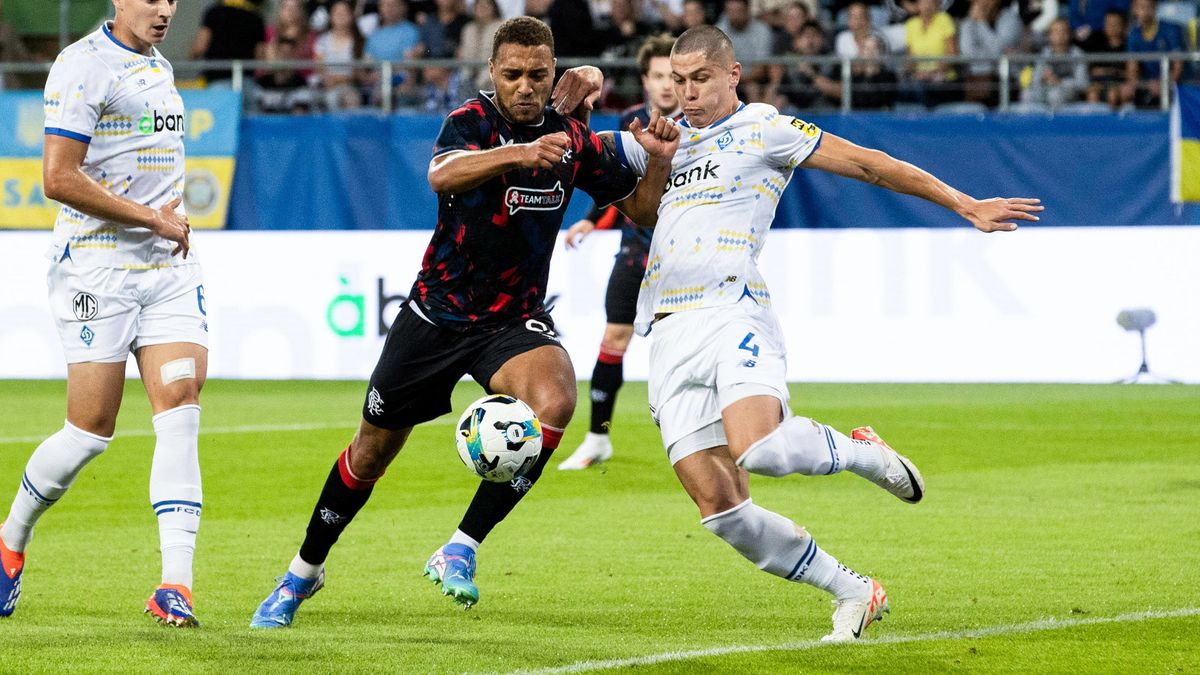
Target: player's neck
x: 724, y: 115
x: 121, y: 33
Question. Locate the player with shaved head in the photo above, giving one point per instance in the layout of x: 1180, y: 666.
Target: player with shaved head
x: 717, y: 363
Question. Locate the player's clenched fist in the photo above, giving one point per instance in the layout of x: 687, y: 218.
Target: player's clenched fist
x: 545, y: 152
x: 660, y: 137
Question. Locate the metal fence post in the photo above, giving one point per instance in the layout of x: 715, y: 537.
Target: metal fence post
x: 1005, y: 85
x: 1164, y: 82
x: 847, y: 86
x: 385, y: 81
x: 236, y: 82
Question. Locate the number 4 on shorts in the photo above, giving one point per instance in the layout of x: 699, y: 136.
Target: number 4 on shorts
x: 753, y: 349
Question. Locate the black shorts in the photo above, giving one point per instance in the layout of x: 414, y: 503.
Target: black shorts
x: 421, y: 363
x: 620, y: 301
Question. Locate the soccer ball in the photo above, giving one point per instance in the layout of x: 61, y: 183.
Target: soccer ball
x: 499, y: 438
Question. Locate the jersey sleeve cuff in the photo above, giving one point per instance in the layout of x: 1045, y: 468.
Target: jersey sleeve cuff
x: 67, y: 133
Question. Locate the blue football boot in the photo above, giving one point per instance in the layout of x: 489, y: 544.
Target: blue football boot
x: 279, y: 609
x: 453, y: 566
x: 10, y: 579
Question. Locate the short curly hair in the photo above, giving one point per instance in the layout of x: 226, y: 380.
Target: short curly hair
x: 522, y: 30
x: 654, y: 46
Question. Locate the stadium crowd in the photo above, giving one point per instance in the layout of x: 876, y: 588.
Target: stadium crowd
x: 1049, y: 41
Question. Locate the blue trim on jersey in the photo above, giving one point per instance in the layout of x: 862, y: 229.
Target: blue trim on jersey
x: 117, y: 42
x: 55, y: 131
x: 684, y: 122
x: 621, y: 149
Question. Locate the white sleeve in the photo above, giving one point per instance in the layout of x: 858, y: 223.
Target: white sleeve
x: 789, y: 141
x: 630, y: 152
x: 76, y: 92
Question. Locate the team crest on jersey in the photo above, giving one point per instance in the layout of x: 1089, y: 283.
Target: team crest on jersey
x: 85, y: 306
x: 532, y: 199
x: 725, y: 139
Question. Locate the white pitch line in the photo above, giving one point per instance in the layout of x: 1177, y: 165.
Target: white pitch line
x: 990, y: 631
x: 204, y: 431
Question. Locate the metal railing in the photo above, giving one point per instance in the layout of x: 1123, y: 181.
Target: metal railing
x: 242, y: 73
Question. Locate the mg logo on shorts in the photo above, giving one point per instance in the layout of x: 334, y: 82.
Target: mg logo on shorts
x: 85, y: 306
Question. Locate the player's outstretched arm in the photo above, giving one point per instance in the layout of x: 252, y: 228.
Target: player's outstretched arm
x: 463, y: 170
x: 839, y: 156
x: 64, y: 181
x: 660, y: 140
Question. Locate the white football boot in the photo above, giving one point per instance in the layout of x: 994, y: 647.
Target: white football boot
x: 851, y: 617
x: 900, y: 477
x: 596, y: 448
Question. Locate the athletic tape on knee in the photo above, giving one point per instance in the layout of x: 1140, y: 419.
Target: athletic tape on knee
x: 770, y: 541
x: 179, y: 369
x: 799, y: 445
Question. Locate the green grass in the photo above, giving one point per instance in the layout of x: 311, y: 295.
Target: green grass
x: 1076, y: 503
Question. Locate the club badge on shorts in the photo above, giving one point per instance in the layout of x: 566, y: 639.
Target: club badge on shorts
x: 87, y: 336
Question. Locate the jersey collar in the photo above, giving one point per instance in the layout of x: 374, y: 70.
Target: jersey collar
x: 490, y: 97
x: 108, y: 32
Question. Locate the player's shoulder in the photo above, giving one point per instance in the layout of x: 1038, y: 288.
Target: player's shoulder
x: 472, y: 108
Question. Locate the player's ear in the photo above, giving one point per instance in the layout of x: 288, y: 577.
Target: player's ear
x: 735, y: 74
x: 492, y: 71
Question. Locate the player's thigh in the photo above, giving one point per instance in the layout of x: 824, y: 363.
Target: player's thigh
x: 95, y: 310
x: 713, y: 480
x: 416, y: 373
x: 94, y: 392
x: 751, y: 375
x: 620, y: 299
x: 173, y: 373
x: 682, y: 378
x: 527, y: 361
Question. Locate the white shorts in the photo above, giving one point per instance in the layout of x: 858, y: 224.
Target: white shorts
x: 703, y: 360
x: 104, y: 313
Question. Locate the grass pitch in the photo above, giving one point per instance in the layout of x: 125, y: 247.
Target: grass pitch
x: 1061, y: 533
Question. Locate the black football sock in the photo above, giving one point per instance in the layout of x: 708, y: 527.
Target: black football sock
x: 494, y: 501
x: 341, y: 498
x: 607, y: 378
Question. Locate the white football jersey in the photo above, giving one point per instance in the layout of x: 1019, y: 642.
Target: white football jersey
x: 726, y: 180
x: 125, y: 107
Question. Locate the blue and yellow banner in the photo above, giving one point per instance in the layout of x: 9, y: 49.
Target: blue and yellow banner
x: 210, y: 140
x: 1185, y: 145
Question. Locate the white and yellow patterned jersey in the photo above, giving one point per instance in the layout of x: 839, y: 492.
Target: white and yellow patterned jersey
x: 726, y: 180
x: 124, y: 105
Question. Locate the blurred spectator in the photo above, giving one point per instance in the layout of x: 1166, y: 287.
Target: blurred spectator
x: 571, y: 24
x: 291, y: 23
x: 695, y: 13
x: 1087, y: 16
x: 752, y: 41
x: 396, y: 38
x: 662, y: 14
x: 930, y: 33
x: 11, y: 50
x: 341, y: 43
x: 858, y: 30
x: 810, y: 85
x: 1143, y: 79
x: 988, y: 31
x: 1107, y: 77
x: 625, y: 32
x: 1056, y: 83
x: 231, y: 29
x: 795, y: 15
x: 283, y: 90
x: 476, y: 45
x: 441, y: 34
x: 366, y: 14
x: 1038, y: 15
x: 875, y: 85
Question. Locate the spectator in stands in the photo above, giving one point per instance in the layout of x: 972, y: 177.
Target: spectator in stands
x: 752, y: 41
x: 795, y: 15
x: 625, y: 31
x: 396, y: 38
x: 1143, y: 79
x: 988, y: 31
x: 291, y: 23
x: 874, y: 84
x: 1087, y: 16
x: 663, y: 14
x: 695, y: 13
x: 1056, y: 83
x: 858, y: 30
x: 476, y: 45
x: 12, y: 50
x: 571, y: 25
x: 810, y: 86
x: 342, y: 42
x: 930, y: 33
x: 283, y: 90
x: 1108, y: 77
x: 441, y: 35
x: 231, y: 29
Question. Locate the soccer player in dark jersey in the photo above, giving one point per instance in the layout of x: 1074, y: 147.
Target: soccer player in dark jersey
x: 620, y: 300
x: 504, y: 167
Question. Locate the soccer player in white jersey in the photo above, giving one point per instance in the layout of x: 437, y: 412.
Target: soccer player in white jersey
x: 717, y: 372
x: 121, y: 281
